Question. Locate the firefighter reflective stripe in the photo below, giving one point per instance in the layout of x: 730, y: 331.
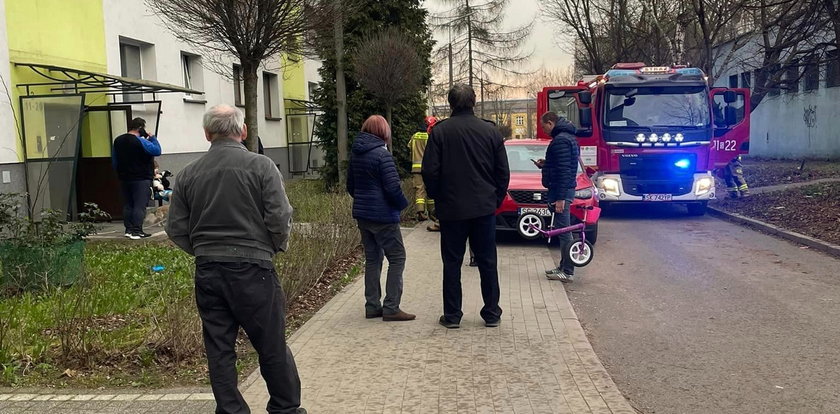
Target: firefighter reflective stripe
x: 743, y: 187
x: 417, y: 144
x: 430, y: 201
x: 420, y: 201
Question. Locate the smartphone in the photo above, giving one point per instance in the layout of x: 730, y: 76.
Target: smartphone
x: 143, y: 132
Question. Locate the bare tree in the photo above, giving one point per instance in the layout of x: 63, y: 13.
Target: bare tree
x: 479, y: 40
x: 388, y: 66
x: 251, y: 31
x: 549, y: 77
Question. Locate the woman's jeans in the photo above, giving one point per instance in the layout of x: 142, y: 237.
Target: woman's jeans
x: 382, y: 240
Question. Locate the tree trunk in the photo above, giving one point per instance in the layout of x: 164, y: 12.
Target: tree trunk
x: 252, y: 119
x: 340, y: 98
x: 389, y: 115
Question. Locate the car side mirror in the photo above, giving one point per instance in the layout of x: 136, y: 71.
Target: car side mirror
x: 585, y: 97
x: 730, y: 97
x: 585, y: 117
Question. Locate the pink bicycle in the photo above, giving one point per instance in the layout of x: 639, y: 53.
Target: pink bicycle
x: 580, y: 251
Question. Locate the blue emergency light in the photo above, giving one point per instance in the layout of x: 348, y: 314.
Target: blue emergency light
x: 683, y: 163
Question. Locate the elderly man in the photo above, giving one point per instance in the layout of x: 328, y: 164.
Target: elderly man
x: 466, y: 172
x: 229, y: 210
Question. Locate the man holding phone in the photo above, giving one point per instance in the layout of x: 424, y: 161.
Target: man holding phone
x: 133, y: 159
x: 559, y: 172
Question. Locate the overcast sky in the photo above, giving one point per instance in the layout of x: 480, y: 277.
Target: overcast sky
x: 543, y: 41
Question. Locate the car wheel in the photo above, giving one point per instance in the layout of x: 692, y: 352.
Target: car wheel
x: 697, y: 209
x: 525, y: 223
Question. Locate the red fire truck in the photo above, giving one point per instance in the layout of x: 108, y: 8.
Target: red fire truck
x: 653, y: 134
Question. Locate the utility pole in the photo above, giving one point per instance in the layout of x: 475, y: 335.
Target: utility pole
x: 481, y: 81
x: 469, y: 41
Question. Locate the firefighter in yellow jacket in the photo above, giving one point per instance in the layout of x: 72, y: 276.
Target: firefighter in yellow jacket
x: 422, y: 205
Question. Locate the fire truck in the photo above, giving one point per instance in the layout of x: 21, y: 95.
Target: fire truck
x: 653, y: 134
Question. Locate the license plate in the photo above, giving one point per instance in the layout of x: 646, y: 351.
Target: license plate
x: 535, y: 210
x: 657, y: 197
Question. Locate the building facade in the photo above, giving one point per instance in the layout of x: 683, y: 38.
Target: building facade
x: 85, y: 67
x: 799, y: 119
x: 519, y: 114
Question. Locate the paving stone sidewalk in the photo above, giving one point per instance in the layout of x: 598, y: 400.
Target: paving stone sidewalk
x: 538, y: 361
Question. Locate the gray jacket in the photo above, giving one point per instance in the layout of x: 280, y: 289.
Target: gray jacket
x: 230, y: 203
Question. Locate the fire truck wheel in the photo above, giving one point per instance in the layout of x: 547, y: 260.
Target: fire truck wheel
x: 579, y: 253
x: 697, y: 209
x: 523, y: 226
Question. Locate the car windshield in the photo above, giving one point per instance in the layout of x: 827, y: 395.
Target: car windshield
x: 657, y: 106
x: 520, y: 156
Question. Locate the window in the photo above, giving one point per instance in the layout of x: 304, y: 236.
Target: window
x: 520, y: 120
x: 733, y: 81
x: 238, y: 86
x: 313, y: 89
x: 792, y: 77
x: 131, y: 66
x: 193, y: 76
x: 832, y: 69
x: 812, y: 74
x: 746, y: 80
x: 271, y: 96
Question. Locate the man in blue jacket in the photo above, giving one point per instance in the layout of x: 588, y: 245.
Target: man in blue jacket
x: 133, y: 159
x: 559, y: 176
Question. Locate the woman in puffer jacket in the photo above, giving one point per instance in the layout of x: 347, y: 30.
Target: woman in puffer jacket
x: 374, y: 184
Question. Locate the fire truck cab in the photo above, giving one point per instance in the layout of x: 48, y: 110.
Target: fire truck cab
x: 653, y: 134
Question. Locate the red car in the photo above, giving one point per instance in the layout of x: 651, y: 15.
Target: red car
x: 525, y: 203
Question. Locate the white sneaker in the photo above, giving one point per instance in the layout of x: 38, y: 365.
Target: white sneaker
x: 133, y: 236
x: 561, y: 276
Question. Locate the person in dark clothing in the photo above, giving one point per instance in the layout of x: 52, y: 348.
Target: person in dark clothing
x: 465, y: 169
x: 133, y: 160
x: 559, y: 176
x: 374, y: 184
x: 229, y: 209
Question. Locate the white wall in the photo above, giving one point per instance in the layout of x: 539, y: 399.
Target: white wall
x: 310, y: 73
x: 8, y: 133
x: 180, y: 127
x: 777, y: 126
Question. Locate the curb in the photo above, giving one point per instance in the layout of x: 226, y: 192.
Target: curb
x: 816, y: 244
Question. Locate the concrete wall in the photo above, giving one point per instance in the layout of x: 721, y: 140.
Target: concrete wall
x: 8, y: 132
x: 777, y: 126
x: 180, y: 127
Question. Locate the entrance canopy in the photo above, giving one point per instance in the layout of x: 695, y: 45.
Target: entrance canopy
x: 67, y: 80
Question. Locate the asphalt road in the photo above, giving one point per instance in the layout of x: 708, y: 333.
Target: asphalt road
x: 697, y: 315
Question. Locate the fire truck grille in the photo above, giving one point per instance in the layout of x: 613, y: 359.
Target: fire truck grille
x: 529, y: 196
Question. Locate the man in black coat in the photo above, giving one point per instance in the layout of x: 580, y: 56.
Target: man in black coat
x: 559, y: 176
x: 465, y: 169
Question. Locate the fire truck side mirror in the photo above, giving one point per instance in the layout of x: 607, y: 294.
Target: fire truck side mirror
x: 585, y: 97
x: 585, y: 117
x: 730, y: 97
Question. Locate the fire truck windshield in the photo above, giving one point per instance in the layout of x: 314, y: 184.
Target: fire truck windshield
x: 657, y: 106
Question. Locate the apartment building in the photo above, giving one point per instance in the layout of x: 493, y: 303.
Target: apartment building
x: 77, y: 71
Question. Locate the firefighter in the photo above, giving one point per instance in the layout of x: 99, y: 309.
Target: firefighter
x: 423, y: 206
x: 733, y: 174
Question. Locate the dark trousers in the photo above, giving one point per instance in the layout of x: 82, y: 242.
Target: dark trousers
x: 481, y: 233
x: 136, y: 195
x: 230, y: 295
x: 561, y: 220
x: 383, y: 239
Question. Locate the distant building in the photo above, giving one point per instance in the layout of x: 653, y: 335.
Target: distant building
x: 519, y: 114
